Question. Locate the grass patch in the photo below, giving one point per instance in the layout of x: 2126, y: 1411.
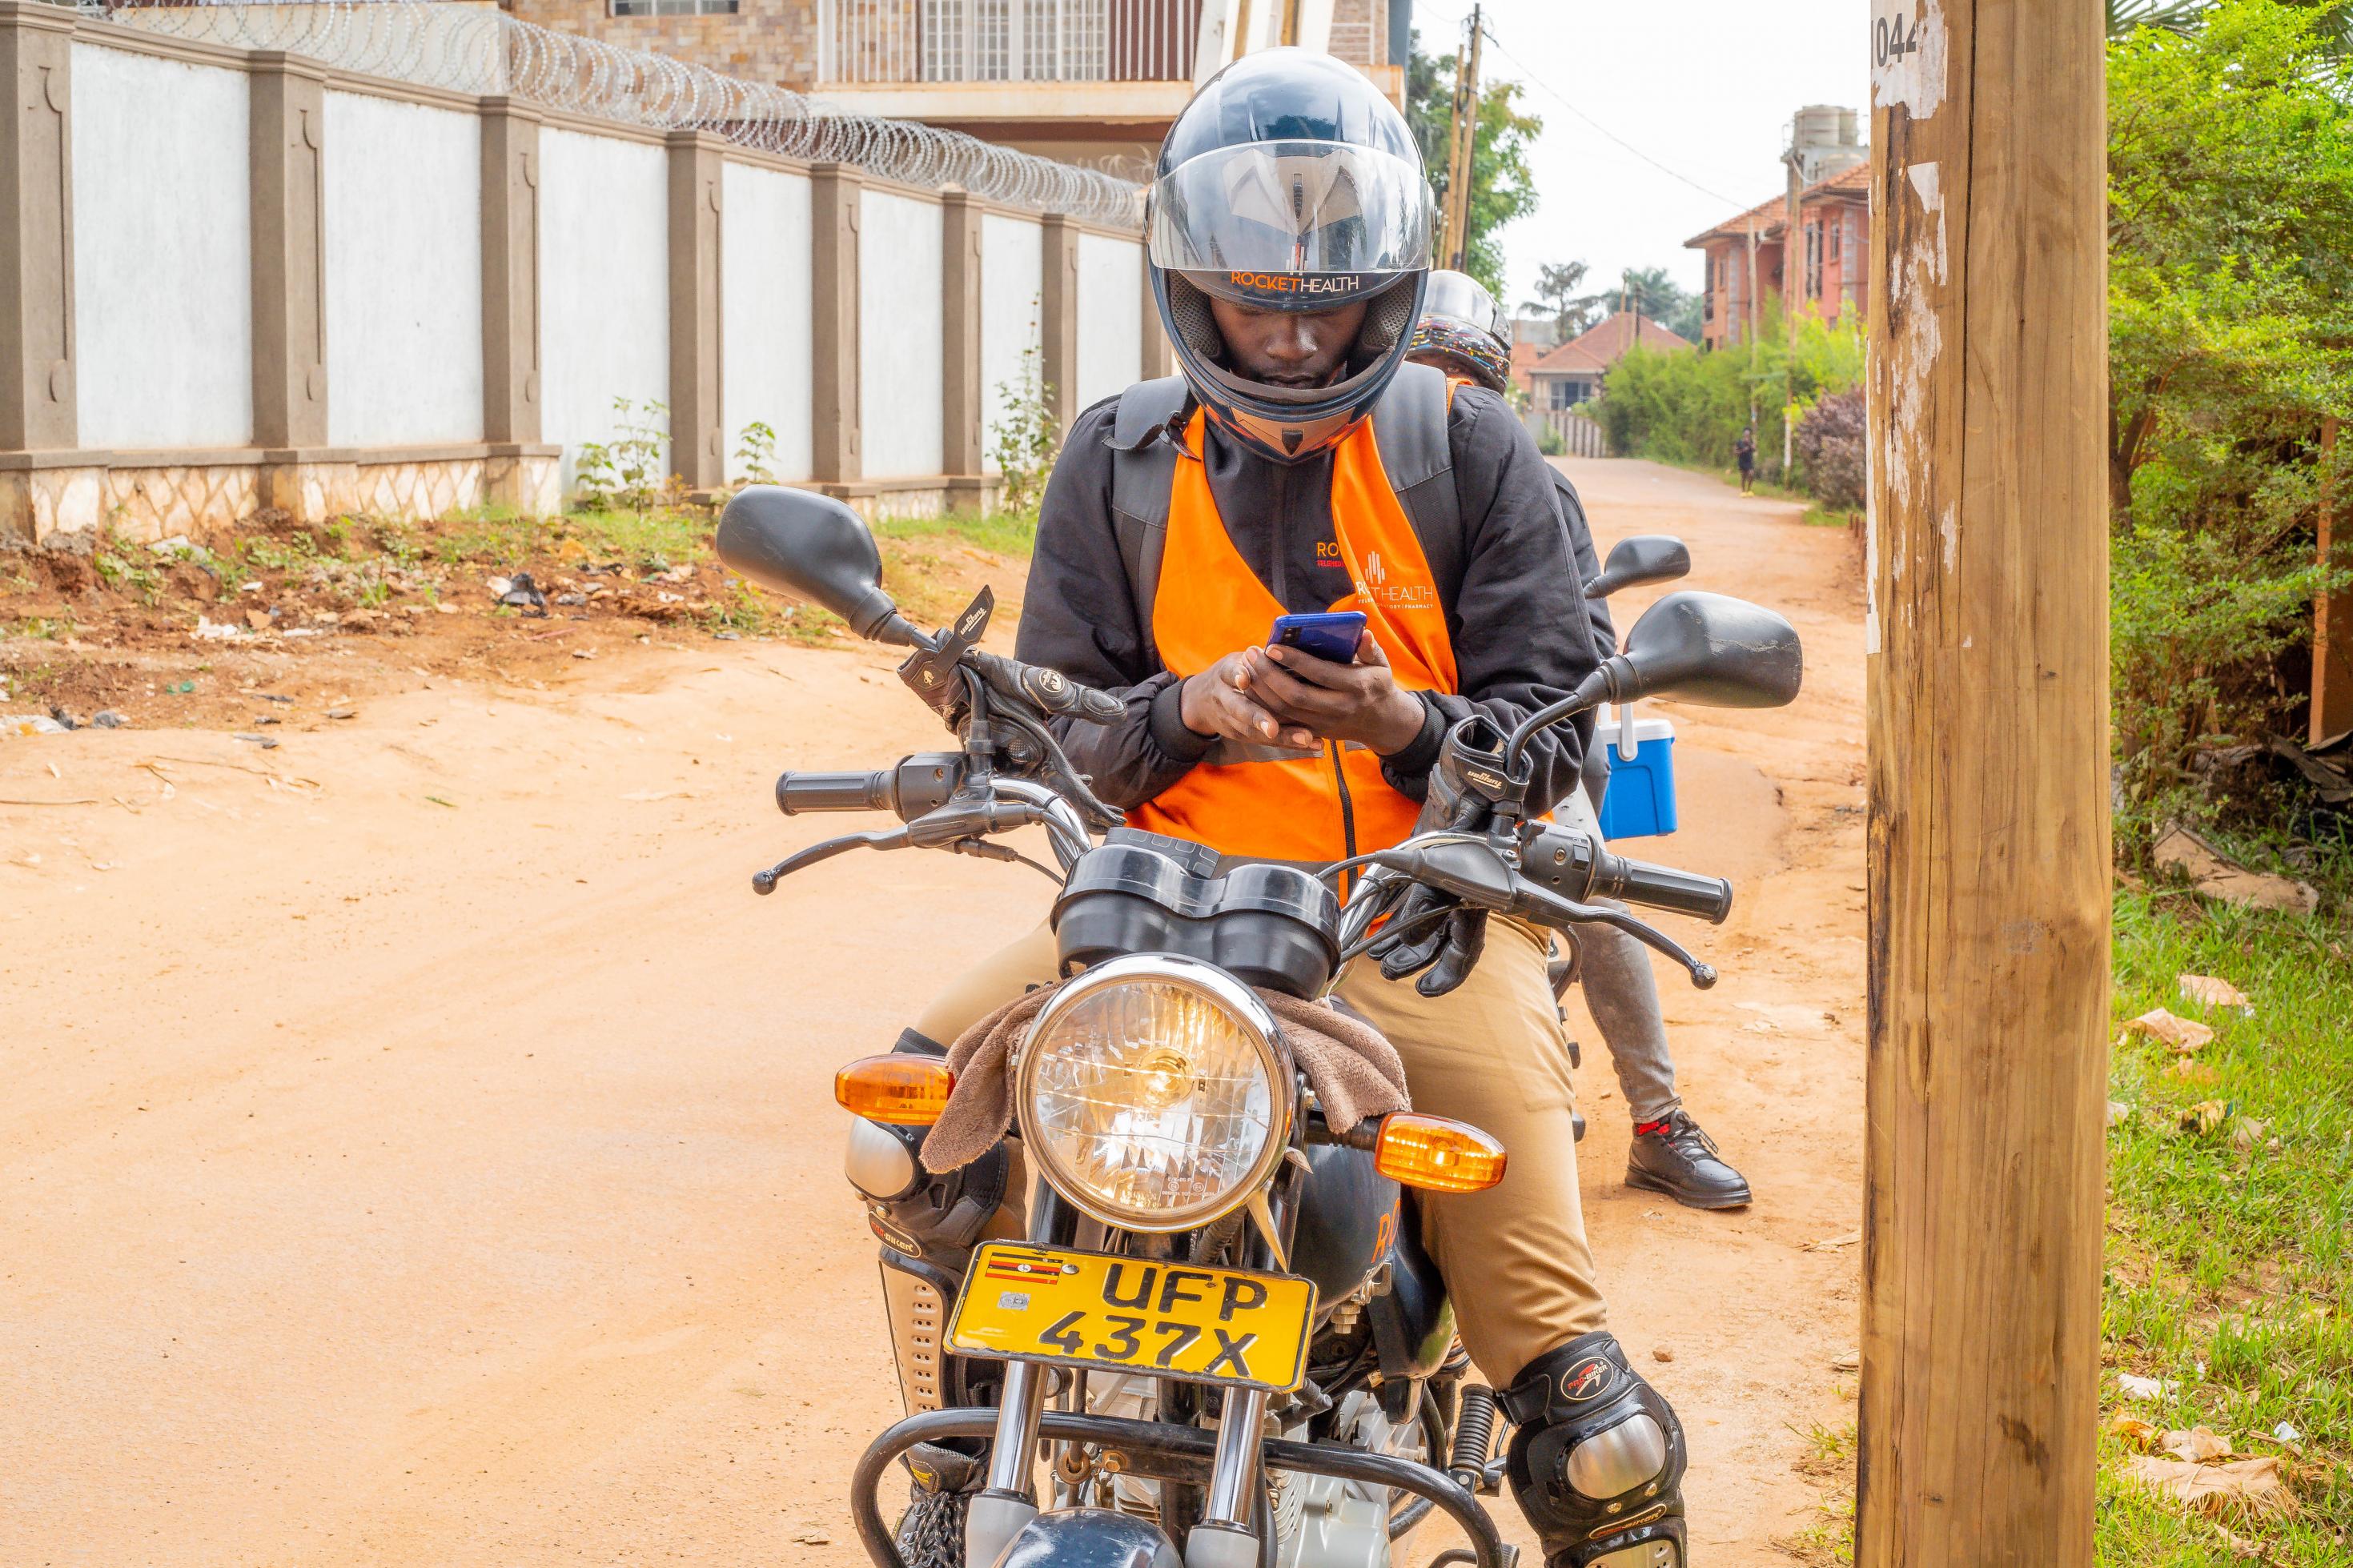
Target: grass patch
x: 1827, y: 1456
x: 2228, y: 1265
x: 914, y: 556
x: 1001, y: 534
x: 2230, y: 1250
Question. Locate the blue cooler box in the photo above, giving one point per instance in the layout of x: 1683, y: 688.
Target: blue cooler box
x: 1641, y: 800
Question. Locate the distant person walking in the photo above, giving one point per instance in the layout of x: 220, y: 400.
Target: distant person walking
x: 1744, y: 451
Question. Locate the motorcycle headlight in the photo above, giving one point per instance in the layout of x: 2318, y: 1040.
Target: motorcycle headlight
x: 1150, y: 1093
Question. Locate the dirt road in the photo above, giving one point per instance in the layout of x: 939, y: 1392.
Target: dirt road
x: 417, y: 1145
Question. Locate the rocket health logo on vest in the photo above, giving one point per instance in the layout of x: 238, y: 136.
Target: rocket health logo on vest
x: 1376, y: 586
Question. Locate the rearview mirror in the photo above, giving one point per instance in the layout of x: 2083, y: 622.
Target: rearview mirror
x: 1644, y: 558
x: 1710, y: 648
x: 813, y: 548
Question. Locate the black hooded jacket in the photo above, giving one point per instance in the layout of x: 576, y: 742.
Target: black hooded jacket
x: 1520, y: 627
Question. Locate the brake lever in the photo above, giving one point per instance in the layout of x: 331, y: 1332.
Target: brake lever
x: 765, y: 882
x: 1530, y: 899
x: 1462, y: 864
x: 970, y: 813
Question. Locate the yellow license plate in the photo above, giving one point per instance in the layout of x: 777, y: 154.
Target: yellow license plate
x: 1134, y: 1314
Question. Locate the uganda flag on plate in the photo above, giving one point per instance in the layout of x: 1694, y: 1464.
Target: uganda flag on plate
x: 1023, y: 1265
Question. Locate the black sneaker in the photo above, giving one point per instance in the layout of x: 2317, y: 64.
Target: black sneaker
x: 1677, y: 1159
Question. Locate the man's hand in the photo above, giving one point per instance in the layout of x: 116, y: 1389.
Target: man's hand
x: 1220, y: 701
x: 1360, y: 701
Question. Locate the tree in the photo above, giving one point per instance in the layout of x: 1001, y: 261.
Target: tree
x: 2333, y: 20
x: 1651, y: 291
x: 1557, y: 293
x: 2173, y: 15
x: 1502, y: 189
x: 2229, y: 339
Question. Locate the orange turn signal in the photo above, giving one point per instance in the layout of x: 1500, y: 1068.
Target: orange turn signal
x: 1437, y: 1156
x: 902, y: 1089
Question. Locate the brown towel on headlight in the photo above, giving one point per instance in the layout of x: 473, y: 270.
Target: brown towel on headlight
x: 1350, y: 1065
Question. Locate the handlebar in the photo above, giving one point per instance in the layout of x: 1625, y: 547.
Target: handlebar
x: 1574, y: 865
x: 799, y: 792
x: 917, y: 784
x: 928, y: 792
x: 1468, y: 868
x: 1665, y: 887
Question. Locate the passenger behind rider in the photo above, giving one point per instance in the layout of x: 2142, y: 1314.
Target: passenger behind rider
x: 1463, y: 333
x: 1298, y: 465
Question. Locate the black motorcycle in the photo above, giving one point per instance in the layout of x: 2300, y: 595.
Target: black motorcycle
x: 1220, y: 1334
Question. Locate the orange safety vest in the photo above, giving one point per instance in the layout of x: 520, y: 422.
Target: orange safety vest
x: 1264, y: 803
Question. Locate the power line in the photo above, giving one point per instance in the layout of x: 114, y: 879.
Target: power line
x: 1562, y: 98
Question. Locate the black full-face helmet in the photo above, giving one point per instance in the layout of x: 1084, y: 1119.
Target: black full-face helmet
x: 1289, y: 183
x: 1462, y: 326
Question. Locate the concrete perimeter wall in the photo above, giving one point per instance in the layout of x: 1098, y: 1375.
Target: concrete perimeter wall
x: 1011, y: 280
x: 604, y: 288
x: 239, y: 280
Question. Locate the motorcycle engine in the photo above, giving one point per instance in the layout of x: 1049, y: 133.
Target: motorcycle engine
x: 1324, y: 1523
x: 1319, y: 1521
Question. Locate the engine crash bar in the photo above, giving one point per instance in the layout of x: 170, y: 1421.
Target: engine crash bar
x: 1173, y: 1453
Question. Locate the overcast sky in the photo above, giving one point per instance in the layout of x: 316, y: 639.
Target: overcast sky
x: 1705, y: 87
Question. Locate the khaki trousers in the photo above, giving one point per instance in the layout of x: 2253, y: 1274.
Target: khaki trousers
x: 1490, y: 1053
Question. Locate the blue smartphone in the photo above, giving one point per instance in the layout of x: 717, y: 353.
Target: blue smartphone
x: 1328, y: 635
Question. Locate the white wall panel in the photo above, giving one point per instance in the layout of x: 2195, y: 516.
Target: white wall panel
x: 603, y: 279
x: 1011, y: 276
x: 763, y: 313
x: 1110, y: 316
x: 899, y: 335
x: 162, y: 265
x: 403, y: 248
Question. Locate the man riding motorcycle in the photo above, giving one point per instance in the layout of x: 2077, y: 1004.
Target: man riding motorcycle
x: 1462, y: 332
x: 1298, y: 465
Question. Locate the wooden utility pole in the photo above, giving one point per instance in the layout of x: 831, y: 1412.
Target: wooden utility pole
x: 1795, y: 287
x: 1985, y: 634
x: 1754, y: 306
x: 2332, y: 612
x: 1464, y: 150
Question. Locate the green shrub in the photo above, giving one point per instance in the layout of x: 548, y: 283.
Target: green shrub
x: 2231, y: 338
x: 757, y: 453
x: 1683, y: 406
x: 626, y: 471
x: 1833, y: 450
x: 1026, y: 437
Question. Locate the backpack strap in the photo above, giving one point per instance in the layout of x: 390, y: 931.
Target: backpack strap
x: 1409, y: 427
x: 1144, y: 452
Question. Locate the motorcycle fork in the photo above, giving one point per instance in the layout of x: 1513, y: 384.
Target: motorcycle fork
x: 1009, y: 1500
x: 1233, y: 1509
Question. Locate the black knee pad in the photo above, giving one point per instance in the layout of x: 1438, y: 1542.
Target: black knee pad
x: 1596, y: 1459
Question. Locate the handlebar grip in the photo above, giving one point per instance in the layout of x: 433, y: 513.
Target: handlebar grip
x: 796, y: 793
x: 1665, y: 887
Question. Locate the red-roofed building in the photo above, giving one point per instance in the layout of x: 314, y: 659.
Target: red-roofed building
x: 1571, y: 373
x: 1745, y: 258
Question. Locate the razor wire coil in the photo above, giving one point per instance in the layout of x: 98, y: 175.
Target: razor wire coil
x: 479, y: 50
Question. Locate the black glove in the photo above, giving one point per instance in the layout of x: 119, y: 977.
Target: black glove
x: 1418, y: 938
x: 1466, y: 784
x: 939, y: 681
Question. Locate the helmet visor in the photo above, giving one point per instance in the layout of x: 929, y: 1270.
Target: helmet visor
x: 1456, y: 295
x: 1304, y: 223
